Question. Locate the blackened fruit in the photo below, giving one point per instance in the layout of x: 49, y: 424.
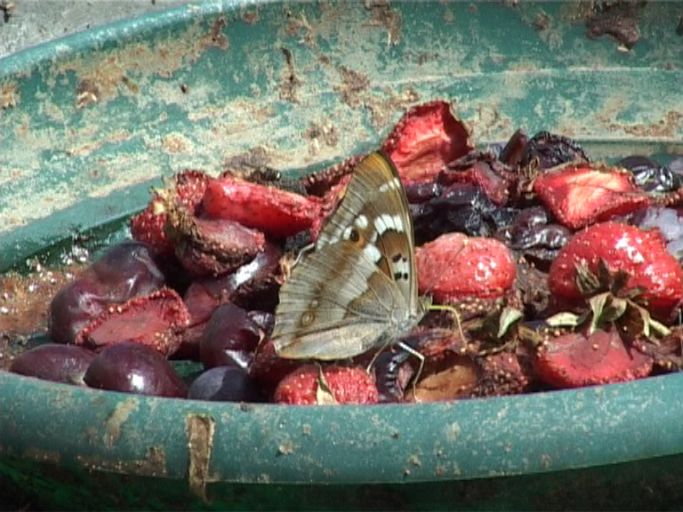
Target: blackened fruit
x: 225, y: 384
x: 230, y: 338
x: 461, y: 207
x: 125, y: 271
x: 54, y: 362
x: 545, y: 150
x: 651, y: 176
x: 134, y: 368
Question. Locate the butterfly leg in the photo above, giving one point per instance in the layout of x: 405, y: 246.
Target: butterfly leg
x: 419, y: 357
x: 454, y: 312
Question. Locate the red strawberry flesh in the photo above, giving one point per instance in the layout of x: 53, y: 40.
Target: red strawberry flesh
x: 276, y: 212
x: 574, y: 360
x: 579, y: 196
x: 155, y: 320
x: 425, y: 139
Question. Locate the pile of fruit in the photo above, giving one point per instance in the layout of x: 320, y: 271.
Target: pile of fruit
x: 564, y: 272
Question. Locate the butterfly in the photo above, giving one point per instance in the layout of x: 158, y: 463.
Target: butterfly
x: 356, y: 289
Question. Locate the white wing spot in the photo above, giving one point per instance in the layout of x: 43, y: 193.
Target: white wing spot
x: 372, y: 253
x: 361, y: 222
x: 384, y: 222
x: 398, y: 223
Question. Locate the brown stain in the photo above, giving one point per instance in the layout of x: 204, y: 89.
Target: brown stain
x: 116, y: 420
x: 289, y: 80
x: 353, y: 83
x: 200, y: 430
x: 668, y: 126
x: 382, y: 15
x: 9, y: 95
x: 24, y: 304
x: 107, y: 74
x: 153, y: 464
x: 176, y: 143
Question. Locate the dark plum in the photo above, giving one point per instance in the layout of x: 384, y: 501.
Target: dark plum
x: 128, y: 270
x: 54, y: 362
x: 254, y: 278
x: 651, y: 176
x: 388, y: 367
x: 545, y: 150
x: 225, y: 384
x: 73, y: 307
x: 230, y: 338
x: 461, y: 207
x: 125, y: 271
x: 533, y: 235
x: 263, y: 320
x: 134, y: 368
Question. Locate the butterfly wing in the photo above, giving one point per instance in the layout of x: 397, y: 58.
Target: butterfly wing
x: 334, y: 307
x: 376, y: 205
x: 360, y: 283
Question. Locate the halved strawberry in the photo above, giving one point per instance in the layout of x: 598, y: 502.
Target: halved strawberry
x: 149, y: 225
x: 211, y: 246
x: 312, y: 384
x: 642, y: 255
x: 574, y: 360
x: 425, y: 139
x: 273, y: 211
x: 579, y: 195
x: 455, y: 267
x: 156, y: 320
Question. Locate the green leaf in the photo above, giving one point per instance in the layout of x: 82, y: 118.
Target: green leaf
x: 507, y: 317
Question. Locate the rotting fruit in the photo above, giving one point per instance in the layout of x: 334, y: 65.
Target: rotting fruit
x: 563, y: 271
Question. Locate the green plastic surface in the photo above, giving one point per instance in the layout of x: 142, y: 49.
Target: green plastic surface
x: 89, y: 122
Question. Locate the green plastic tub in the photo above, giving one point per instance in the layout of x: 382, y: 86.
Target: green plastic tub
x: 89, y: 122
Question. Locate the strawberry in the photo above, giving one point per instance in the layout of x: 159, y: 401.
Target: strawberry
x: 425, y: 139
x: 156, y: 320
x: 576, y: 359
x: 579, y: 195
x: 455, y: 267
x: 642, y: 255
x: 312, y: 384
x: 149, y: 225
x: 276, y: 212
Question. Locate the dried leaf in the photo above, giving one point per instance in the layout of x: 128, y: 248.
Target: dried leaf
x: 587, y: 282
x: 508, y: 317
x: 564, y: 319
x: 323, y: 394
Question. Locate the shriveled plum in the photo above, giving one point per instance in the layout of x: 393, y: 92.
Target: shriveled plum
x: 460, y: 207
x: 225, y: 384
x: 668, y: 221
x: 55, y: 362
x: 545, y: 150
x: 650, y: 175
x: 134, y: 368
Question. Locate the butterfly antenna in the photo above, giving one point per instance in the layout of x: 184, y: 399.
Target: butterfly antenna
x: 419, y: 357
x: 454, y: 312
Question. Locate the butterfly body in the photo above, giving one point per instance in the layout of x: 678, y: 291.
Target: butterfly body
x: 358, y: 288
